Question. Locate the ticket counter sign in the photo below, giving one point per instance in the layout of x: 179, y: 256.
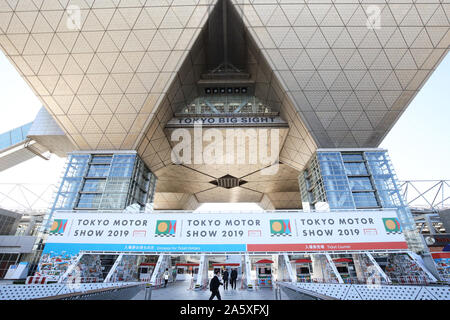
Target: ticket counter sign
x: 287, y: 231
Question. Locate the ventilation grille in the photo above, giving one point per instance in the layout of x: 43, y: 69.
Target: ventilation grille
x: 228, y: 182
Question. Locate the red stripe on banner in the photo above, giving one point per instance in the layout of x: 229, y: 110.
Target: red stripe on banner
x: 327, y: 246
x: 440, y: 255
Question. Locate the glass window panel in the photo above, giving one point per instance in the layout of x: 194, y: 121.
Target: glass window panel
x: 390, y: 198
x: 114, y: 201
x: 329, y: 156
x: 101, y: 159
x: 355, y: 168
x: 118, y: 185
x: 25, y: 129
x: 94, y: 185
x: 380, y: 168
x: 77, y: 166
x: 376, y: 156
x: 65, y: 201
x: 5, y: 140
x: 340, y: 200
x: 124, y: 158
x: 352, y: 157
x: 98, y: 170
x: 360, y: 183
x: 16, y: 136
x: 331, y: 168
x: 335, y: 183
x: 71, y: 184
x: 121, y: 170
x: 385, y: 183
x: 365, y: 200
x: 89, y: 201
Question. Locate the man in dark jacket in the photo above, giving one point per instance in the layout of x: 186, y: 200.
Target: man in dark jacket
x: 214, y: 286
x: 233, y: 278
x: 225, y: 279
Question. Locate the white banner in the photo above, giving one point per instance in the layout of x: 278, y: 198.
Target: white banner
x: 227, y: 232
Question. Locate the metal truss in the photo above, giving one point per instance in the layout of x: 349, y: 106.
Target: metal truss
x: 426, y: 196
x: 26, y: 198
x: 422, y: 196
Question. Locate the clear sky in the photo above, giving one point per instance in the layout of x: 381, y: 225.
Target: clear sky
x: 419, y: 143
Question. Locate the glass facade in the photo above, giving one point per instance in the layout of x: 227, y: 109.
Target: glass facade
x: 7, y: 225
x: 6, y: 260
x: 226, y: 104
x: 357, y: 180
x: 104, y: 182
x: 14, y: 136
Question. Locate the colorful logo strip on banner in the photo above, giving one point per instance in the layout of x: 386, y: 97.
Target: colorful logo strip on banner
x: 58, y: 227
x: 280, y: 228
x: 392, y: 225
x: 166, y: 228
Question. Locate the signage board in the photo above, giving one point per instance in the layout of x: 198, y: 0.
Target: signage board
x: 228, y: 121
x: 226, y: 232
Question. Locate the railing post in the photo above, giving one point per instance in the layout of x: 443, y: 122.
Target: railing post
x: 148, y: 291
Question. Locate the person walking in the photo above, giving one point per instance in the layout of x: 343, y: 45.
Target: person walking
x: 233, y: 278
x: 225, y: 276
x: 166, y: 277
x: 214, y: 286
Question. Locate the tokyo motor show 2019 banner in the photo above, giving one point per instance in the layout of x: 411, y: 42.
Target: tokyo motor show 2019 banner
x: 225, y: 232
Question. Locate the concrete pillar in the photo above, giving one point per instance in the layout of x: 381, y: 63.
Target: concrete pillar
x: 359, y: 266
x: 285, y: 269
x: 318, y: 268
x: 248, y: 272
x: 202, y: 272
x: 161, y: 265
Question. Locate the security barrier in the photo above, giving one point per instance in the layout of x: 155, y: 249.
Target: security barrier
x: 56, y: 291
x: 374, y: 292
x: 36, y: 280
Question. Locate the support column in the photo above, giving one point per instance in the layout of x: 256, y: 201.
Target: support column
x: 359, y: 267
x: 113, y: 268
x: 202, y: 272
x: 318, y: 272
x: 248, y: 272
x: 431, y: 266
x: 161, y: 265
x: 333, y: 267
x: 377, y: 266
x: 288, y: 266
x: 415, y: 257
x: 70, y: 269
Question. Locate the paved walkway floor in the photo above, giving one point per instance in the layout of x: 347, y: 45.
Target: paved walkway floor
x: 180, y: 291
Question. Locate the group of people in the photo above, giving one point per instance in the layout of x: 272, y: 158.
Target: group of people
x: 216, y: 283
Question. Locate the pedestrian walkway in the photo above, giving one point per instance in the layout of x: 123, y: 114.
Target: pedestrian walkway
x: 180, y: 291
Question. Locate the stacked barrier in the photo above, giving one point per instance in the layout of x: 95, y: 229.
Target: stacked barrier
x: 36, y: 280
x: 36, y: 291
x: 377, y: 292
